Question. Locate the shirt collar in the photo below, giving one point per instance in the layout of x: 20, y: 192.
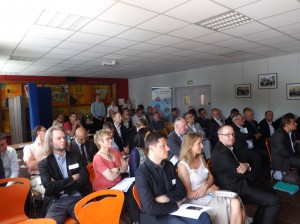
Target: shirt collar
x: 57, y: 156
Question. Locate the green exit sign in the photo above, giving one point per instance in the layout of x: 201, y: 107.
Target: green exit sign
x: 190, y: 82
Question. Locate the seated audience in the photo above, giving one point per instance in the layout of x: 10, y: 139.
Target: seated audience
x: 214, y: 124
x: 195, y: 127
x: 137, y: 154
x: 193, y: 172
x: 203, y: 121
x: 127, y: 105
x: 175, y: 138
x: 148, y: 113
x: 108, y: 166
x: 32, y: 155
x: 126, y: 119
x: 63, y: 176
x: 138, y: 114
x: 120, y: 133
x: 247, y: 152
x: 233, y: 112
x: 9, y: 165
x: 267, y: 126
x: 112, y: 107
x: 83, y: 146
x: 156, y: 124
x: 141, y: 123
x: 71, y: 125
x: 159, y: 187
x: 284, y: 150
x: 58, y: 123
x: 231, y: 174
x: 173, y: 115
x: 60, y: 117
x: 109, y: 118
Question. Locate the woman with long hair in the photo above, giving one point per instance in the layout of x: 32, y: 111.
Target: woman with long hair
x: 199, y: 183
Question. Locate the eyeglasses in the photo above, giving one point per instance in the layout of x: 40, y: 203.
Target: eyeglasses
x: 228, y: 135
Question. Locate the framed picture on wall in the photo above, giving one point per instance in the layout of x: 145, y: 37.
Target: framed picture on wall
x: 267, y: 81
x: 242, y: 91
x: 293, y: 91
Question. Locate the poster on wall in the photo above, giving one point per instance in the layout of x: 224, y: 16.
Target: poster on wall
x: 162, y: 99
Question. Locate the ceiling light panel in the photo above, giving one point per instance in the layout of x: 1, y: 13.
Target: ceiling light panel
x: 225, y: 21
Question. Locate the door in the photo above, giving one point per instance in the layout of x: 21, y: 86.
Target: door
x: 196, y: 96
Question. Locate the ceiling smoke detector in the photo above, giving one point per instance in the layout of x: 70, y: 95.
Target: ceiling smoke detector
x: 113, y: 62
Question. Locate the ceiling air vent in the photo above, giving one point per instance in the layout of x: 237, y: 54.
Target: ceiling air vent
x: 22, y: 58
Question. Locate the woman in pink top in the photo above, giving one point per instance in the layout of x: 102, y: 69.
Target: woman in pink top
x: 108, y: 163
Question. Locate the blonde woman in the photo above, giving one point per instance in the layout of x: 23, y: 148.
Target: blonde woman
x: 199, y: 182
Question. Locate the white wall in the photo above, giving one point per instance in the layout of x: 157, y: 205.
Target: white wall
x: 222, y: 80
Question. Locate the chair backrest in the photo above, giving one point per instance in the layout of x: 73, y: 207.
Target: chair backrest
x: 169, y: 126
x: 105, y: 209
x: 136, y: 196
x: 268, y: 146
x: 90, y: 169
x: 39, y: 221
x: 12, y: 200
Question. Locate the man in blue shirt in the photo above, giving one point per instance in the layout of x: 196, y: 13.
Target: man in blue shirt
x: 98, y: 111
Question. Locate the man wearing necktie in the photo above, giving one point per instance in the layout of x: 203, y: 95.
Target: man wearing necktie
x: 284, y: 150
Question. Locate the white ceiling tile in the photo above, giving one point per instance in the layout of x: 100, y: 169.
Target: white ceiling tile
x: 87, y: 38
x: 149, y: 54
x: 162, y: 24
x: 115, y: 56
x: 33, y: 54
x: 276, y: 40
x: 166, y: 50
x: 126, y: 14
x: 91, y: 55
x: 155, y: 5
x: 74, y: 46
x: 49, y: 32
x: 246, y: 29
x: 165, y: 40
x: 128, y: 52
x: 185, y: 53
x: 117, y: 42
x: 138, y: 34
x: 145, y: 47
x: 268, y: 34
x: 45, y: 42
x: 103, y: 28
x: 33, y: 48
x: 191, y: 32
x: 194, y: 11
x: 104, y: 49
x: 189, y: 44
x: 233, y: 4
x: 213, y: 38
x: 290, y: 29
x: 267, y: 8
x: 65, y: 52
x: 57, y: 56
x: 246, y: 46
x: 231, y: 42
x: 284, y: 19
x: 207, y: 47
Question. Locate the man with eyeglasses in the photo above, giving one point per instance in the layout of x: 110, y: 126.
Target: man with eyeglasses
x: 230, y: 174
x: 32, y: 155
x: 85, y: 147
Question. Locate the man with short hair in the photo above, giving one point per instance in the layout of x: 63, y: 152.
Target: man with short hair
x: 230, y: 174
x: 175, y: 138
x: 98, y: 111
x: 138, y: 114
x: 32, y: 155
x: 112, y: 107
x: 203, y: 120
x: 173, y: 115
x: 267, y: 126
x: 63, y: 176
x: 156, y: 124
x: 214, y: 124
x: 120, y: 133
x: 71, y: 125
x: 233, y: 112
x: 284, y: 150
x: 159, y: 187
x: 84, y: 146
x: 9, y: 166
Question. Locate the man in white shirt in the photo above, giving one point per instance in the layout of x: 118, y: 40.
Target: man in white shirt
x: 8, y: 155
x: 32, y: 155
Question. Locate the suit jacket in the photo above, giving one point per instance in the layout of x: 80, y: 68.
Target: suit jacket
x: 198, y: 129
x: 213, y: 130
x: 255, y: 129
x: 90, y: 147
x: 281, y: 150
x: 174, y: 143
x: 228, y: 120
x: 150, y: 184
x: 54, y: 182
x: 265, y: 129
x: 224, y: 167
x: 121, y: 141
x: 240, y: 145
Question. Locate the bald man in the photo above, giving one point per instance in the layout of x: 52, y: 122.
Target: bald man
x: 84, y: 146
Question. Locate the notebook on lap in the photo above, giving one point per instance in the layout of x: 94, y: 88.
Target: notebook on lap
x: 286, y: 187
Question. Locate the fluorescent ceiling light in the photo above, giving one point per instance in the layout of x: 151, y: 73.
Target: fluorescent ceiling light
x: 62, y: 20
x: 224, y: 21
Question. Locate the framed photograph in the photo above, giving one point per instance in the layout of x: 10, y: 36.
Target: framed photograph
x: 293, y: 91
x: 242, y: 91
x: 267, y: 81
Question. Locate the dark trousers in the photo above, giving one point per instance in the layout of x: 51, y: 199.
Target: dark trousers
x: 267, y: 200
x: 63, y: 208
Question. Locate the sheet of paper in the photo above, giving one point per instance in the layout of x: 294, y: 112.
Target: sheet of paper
x: 124, y: 184
x: 190, y: 211
x: 174, y: 160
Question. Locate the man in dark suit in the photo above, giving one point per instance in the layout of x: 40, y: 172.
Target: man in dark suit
x: 230, y: 174
x: 85, y: 147
x: 203, y: 120
x: 233, y: 112
x: 120, y: 133
x: 159, y: 187
x: 284, y: 150
x: 175, y: 138
x: 63, y: 176
x: 267, y: 126
x: 214, y: 124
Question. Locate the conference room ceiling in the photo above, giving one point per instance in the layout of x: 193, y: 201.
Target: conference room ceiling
x: 135, y: 38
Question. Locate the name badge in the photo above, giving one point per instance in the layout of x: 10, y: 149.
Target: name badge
x: 174, y: 181
x: 74, y: 166
x: 38, y: 180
